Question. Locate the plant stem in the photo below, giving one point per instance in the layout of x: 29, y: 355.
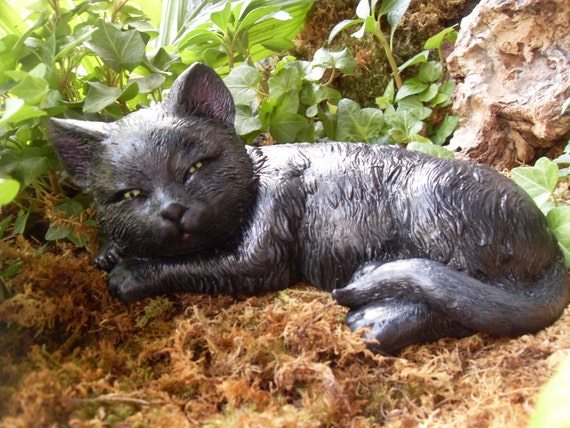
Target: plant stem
x: 382, y: 39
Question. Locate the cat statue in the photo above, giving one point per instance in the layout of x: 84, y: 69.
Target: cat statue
x: 417, y: 247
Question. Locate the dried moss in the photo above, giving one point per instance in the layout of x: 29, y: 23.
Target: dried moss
x: 73, y: 356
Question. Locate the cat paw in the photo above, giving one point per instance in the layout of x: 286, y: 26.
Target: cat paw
x: 108, y: 257
x: 123, y: 282
x: 391, y: 325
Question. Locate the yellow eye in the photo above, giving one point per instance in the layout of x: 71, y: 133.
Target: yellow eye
x: 195, y: 167
x: 131, y: 194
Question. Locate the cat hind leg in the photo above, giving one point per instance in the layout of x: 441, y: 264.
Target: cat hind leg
x: 427, y: 300
x: 394, y: 324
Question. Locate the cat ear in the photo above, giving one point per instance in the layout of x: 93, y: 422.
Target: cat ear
x: 74, y: 141
x: 199, y: 91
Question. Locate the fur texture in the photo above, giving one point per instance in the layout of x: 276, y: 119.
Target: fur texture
x: 417, y: 247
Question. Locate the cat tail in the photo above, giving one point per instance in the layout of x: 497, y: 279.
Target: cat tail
x: 499, y: 308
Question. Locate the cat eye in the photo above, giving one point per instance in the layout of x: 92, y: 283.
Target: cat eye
x: 195, y: 167
x: 130, y: 194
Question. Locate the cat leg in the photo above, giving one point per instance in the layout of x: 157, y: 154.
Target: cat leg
x: 506, y: 309
x: 109, y: 256
x: 393, y: 324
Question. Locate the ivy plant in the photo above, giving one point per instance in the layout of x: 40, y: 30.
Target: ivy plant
x: 540, y: 182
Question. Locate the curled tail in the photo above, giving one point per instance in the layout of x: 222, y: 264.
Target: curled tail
x: 496, y: 308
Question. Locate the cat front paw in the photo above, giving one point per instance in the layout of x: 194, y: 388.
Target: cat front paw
x: 109, y: 255
x: 125, y: 281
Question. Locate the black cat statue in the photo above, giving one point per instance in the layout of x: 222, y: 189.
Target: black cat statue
x: 417, y: 247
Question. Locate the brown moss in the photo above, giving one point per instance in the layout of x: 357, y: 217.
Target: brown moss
x: 71, y: 355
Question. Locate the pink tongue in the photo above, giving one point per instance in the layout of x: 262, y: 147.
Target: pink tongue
x: 186, y: 237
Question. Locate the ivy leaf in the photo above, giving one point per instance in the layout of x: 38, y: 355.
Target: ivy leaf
x: 410, y: 87
x: 31, y: 89
x: 118, y: 49
x: 429, y: 72
x: 356, y: 124
x: 402, y: 126
x: 430, y: 149
x: 245, y: 122
x: 444, y: 130
x: 9, y: 188
x: 100, y: 96
x: 538, y: 181
x: 559, y: 221
x: 284, y: 81
x: 17, y: 111
x: 342, y: 61
x: 147, y: 84
x: 242, y: 83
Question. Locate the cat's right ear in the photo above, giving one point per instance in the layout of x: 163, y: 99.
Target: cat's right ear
x: 199, y: 91
x: 75, y: 142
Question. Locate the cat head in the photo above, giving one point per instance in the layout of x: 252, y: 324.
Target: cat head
x: 167, y: 180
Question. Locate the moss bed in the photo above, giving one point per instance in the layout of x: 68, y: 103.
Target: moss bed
x: 71, y: 355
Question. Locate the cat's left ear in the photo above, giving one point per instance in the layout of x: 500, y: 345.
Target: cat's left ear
x: 199, y: 91
x: 76, y: 143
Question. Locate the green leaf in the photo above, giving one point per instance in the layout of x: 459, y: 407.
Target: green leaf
x: 430, y: 72
x: 10, y: 19
x: 395, y: 16
x: 18, y: 111
x: 436, y: 41
x: 242, y: 83
x: 342, y: 61
x: 31, y: 89
x: 341, y: 26
x: 118, y: 49
x: 246, y: 123
x: 410, y: 87
x: 363, y: 9
x: 285, y: 122
x: 284, y: 81
x: 402, y: 126
x: 430, y: 149
x: 538, y: 181
x: 222, y: 17
x: 356, y: 124
x: 100, y: 96
x: 148, y: 84
x: 9, y: 188
x: 552, y: 408
x: 429, y: 94
x: 416, y: 59
x: 313, y: 94
x: 559, y: 221
x: 278, y: 44
x: 444, y: 130
x: 56, y: 233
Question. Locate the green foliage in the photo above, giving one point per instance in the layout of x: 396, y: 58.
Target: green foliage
x: 370, y: 18
x: 225, y: 33
x: 290, y: 100
x: 540, y: 182
x: 408, y: 106
x: 552, y: 406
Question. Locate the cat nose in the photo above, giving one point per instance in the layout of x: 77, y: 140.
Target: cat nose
x: 173, y: 212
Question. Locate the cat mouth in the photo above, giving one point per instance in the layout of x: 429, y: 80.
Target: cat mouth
x: 186, y: 236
